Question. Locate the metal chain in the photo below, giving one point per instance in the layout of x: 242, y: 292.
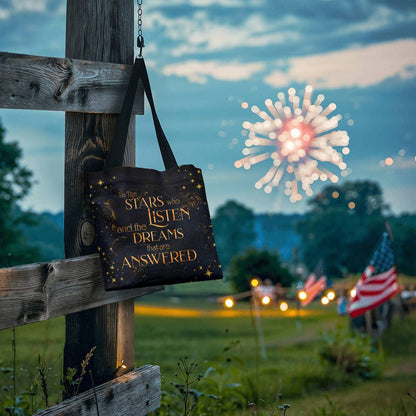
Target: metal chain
x: 140, y: 39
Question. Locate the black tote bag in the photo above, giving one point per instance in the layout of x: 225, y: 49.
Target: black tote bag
x: 152, y: 227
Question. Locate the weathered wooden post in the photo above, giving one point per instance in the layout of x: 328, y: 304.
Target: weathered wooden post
x: 101, y: 30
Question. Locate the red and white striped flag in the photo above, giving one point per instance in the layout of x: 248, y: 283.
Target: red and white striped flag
x: 313, y: 287
x: 309, y: 281
x: 378, y: 283
x: 313, y: 290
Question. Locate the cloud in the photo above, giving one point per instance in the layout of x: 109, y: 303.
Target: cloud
x: 4, y: 13
x: 355, y: 67
x: 199, y: 71
x: 19, y: 6
x: 381, y: 17
x: 200, y: 33
x: 29, y: 5
x: 206, y: 3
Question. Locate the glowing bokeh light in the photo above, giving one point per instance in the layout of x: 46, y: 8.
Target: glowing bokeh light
x: 388, y: 161
x: 330, y: 295
x: 254, y: 282
x: 353, y: 292
x: 335, y: 194
x: 283, y: 306
x: 351, y: 205
x: 302, y: 295
x: 324, y: 300
x: 229, y: 303
x: 299, y: 137
x: 265, y: 300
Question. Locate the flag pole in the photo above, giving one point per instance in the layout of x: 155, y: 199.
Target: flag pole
x: 259, y: 328
x: 390, y: 233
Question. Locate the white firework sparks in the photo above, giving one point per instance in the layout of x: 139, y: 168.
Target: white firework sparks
x: 296, y: 136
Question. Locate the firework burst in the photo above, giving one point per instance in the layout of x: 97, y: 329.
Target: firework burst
x: 296, y: 136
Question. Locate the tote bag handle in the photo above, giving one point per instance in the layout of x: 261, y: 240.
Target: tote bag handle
x: 116, y: 153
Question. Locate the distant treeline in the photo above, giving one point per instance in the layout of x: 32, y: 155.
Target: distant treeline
x: 342, y: 228
x: 342, y: 238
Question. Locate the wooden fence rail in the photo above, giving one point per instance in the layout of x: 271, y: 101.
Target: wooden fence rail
x: 135, y: 393
x: 40, y: 291
x: 63, y: 84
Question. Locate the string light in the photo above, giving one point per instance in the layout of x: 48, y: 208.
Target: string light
x: 229, y: 303
x: 254, y: 282
x: 330, y: 295
x: 324, y: 300
x: 283, y: 306
x: 265, y: 300
x: 296, y: 136
x: 302, y: 295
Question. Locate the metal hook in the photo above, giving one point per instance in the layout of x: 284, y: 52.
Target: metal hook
x: 140, y: 44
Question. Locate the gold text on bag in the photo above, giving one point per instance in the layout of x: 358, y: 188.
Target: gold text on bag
x: 152, y: 227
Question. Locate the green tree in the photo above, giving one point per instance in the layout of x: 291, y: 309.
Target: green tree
x: 15, y: 183
x: 404, y: 242
x: 366, y: 197
x: 343, y: 226
x: 233, y: 226
x: 263, y: 264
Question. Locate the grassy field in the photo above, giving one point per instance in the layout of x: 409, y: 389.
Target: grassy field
x: 169, y: 326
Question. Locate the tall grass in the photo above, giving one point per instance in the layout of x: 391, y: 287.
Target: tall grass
x: 292, y: 369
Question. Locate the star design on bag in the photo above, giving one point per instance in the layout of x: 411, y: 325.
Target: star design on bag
x: 208, y: 273
x: 199, y: 186
x: 100, y: 182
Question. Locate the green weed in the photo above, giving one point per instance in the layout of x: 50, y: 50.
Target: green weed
x: 351, y: 353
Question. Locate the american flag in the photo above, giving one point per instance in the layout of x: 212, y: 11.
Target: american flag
x: 312, y: 286
x: 378, y: 283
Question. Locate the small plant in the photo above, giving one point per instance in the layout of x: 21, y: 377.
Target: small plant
x: 284, y: 408
x: 30, y: 399
x: 223, y: 380
x: 70, y: 384
x: 182, y: 398
x: 332, y: 410
x: 43, y: 381
x: 350, y: 352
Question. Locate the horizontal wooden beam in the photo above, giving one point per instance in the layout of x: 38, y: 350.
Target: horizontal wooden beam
x: 40, y: 291
x: 136, y: 393
x: 61, y: 84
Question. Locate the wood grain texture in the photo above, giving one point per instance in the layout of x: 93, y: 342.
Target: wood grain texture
x: 135, y: 393
x: 99, y: 30
x: 63, y: 84
x: 40, y: 291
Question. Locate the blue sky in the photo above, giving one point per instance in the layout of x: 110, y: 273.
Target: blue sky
x: 206, y: 57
